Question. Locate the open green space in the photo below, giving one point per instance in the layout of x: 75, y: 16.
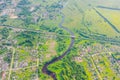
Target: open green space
x: 63, y: 39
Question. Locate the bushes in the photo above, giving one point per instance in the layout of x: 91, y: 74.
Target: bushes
x: 8, y: 57
x: 2, y: 51
x: 27, y: 38
x: 5, y: 33
x: 68, y: 70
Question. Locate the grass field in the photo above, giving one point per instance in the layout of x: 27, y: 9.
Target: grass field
x: 80, y: 16
x: 96, y: 24
x: 112, y: 15
x: 73, y: 14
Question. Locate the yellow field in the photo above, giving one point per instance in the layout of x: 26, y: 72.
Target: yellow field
x: 113, y: 16
x: 73, y: 14
x: 79, y: 16
x: 96, y: 24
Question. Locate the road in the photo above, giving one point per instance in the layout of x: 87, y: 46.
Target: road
x: 45, y: 67
x: 103, y: 7
x: 11, y: 65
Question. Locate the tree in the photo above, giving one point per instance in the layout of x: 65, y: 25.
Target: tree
x: 5, y: 33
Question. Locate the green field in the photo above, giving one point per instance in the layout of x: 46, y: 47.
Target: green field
x: 66, y: 39
x: 113, y: 16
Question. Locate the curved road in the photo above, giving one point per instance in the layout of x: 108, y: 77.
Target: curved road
x: 45, y: 69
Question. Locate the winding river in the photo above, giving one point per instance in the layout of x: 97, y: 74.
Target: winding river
x: 45, y: 67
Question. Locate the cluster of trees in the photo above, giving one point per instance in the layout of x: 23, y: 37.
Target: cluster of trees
x: 61, y: 40
x: 69, y: 70
x: 55, y: 29
x: 61, y: 43
x: 26, y: 38
x: 48, y: 28
x: 5, y: 33
x: 2, y: 6
x: 24, y: 13
x: 3, y: 19
x: 116, y: 55
x: 3, y: 50
x: 23, y: 3
x: 53, y: 7
x: 24, y: 74
x: 98, y: 37
x: 8, y: 57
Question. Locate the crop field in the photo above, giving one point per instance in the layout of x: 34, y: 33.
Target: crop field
x: 96, y: 24
x: 112, y: 16
x: 73, y: 14
x: 83, y: 17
